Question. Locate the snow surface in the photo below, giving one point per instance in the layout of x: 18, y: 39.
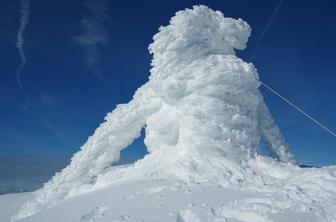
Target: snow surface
x: 10, y: 203
x: 204, y: 118
x: 173, y: 201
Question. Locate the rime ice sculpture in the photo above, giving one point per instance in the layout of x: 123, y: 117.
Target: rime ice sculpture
x: 201, y: 108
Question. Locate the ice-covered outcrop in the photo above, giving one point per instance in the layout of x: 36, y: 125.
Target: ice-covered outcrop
x: 202, y: 110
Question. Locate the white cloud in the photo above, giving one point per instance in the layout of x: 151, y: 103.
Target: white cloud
x: 94, y: 34
x: 24, y: 20
x: 269, y: 24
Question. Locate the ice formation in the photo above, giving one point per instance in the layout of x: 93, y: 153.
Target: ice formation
x: 204, y: 118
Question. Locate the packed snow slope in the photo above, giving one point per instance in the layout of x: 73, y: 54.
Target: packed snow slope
x: 204, y: 118
x: 170, y: 201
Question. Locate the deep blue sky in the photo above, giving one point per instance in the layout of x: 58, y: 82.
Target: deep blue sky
x: 296, y: 57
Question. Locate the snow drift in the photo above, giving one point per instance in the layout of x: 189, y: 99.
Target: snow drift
x: 204, y: 118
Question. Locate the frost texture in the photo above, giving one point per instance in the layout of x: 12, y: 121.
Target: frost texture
x: 204, y: 118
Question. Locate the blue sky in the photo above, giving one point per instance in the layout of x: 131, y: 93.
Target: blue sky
x: 68, y: 100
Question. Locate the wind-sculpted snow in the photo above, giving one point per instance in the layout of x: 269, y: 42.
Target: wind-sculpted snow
x: 204, y: 118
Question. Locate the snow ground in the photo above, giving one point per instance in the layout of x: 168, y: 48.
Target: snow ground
x: 10, y: 204
x: 161, y: 200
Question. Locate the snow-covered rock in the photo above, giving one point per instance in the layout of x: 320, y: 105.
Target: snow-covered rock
x: 204, y: 118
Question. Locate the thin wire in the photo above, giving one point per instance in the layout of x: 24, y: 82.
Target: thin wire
x: 300, y: 110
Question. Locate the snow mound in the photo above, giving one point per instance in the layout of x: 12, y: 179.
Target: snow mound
x: 171, y: 201
x: 204, y: 118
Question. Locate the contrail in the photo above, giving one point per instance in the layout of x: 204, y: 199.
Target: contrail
x: 94, y: 34
x: 55, y: 133
x: 257, y: 45
x: 24, y: 20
